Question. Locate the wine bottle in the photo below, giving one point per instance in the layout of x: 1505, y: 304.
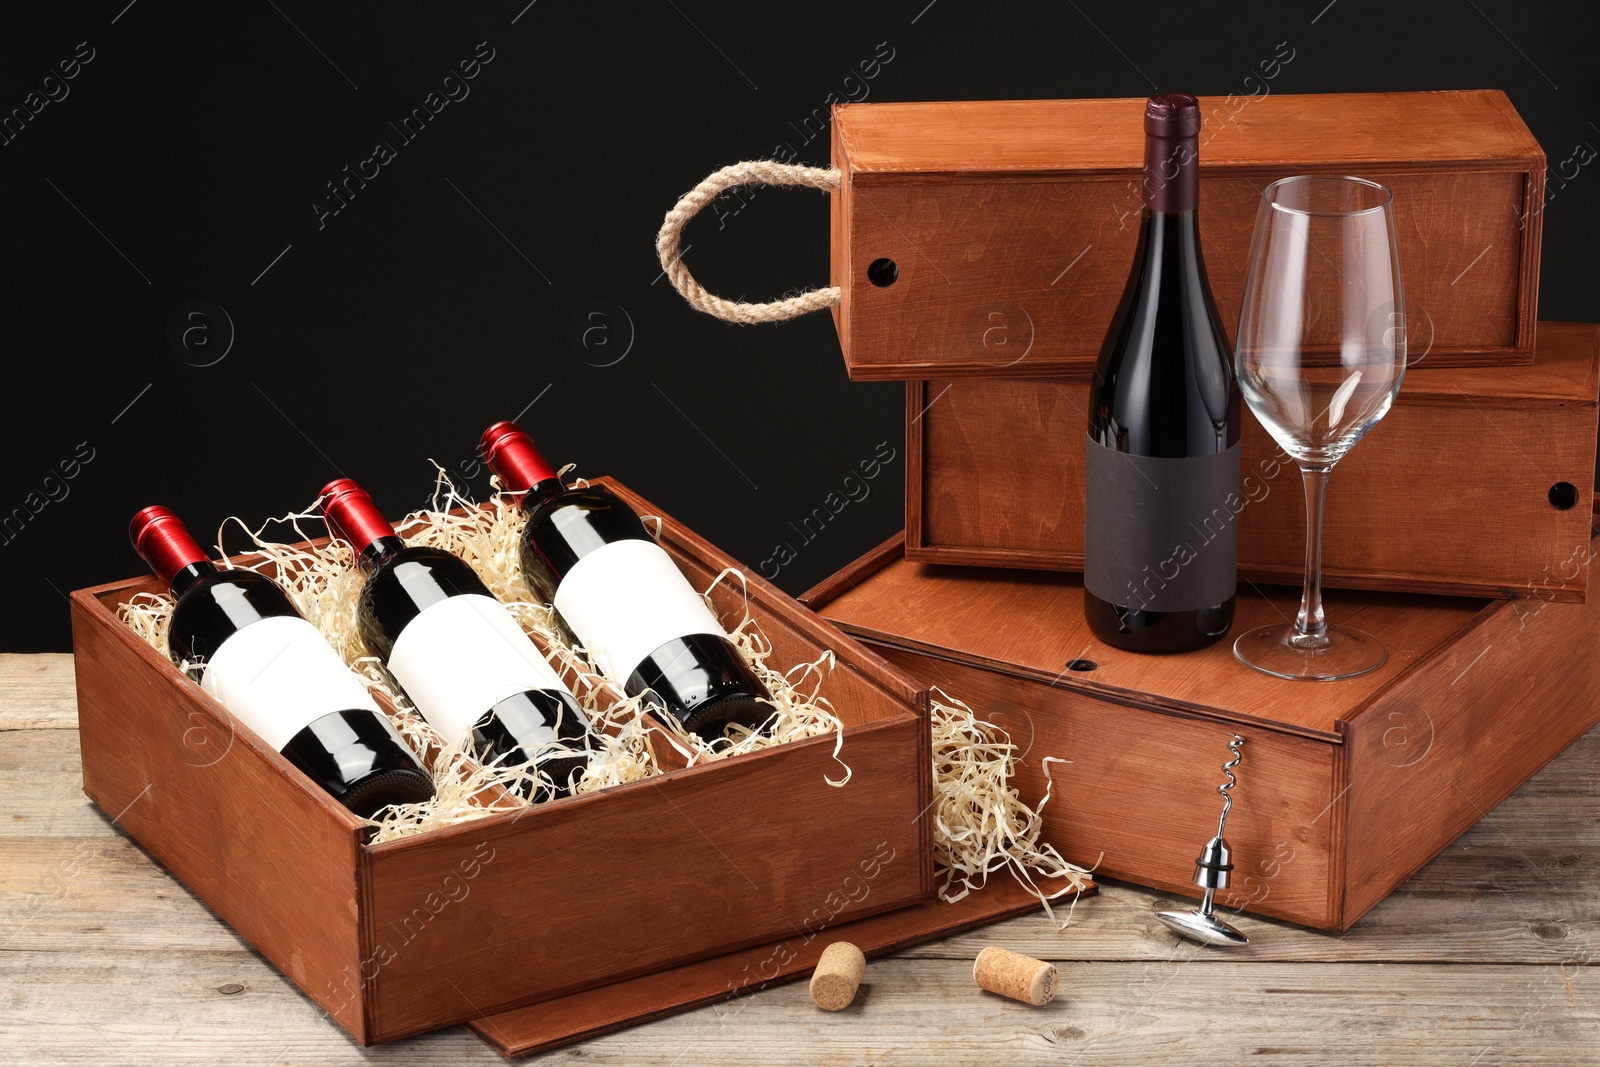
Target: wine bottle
x: 459, y: 654
x: 1161, y: 498
x: 619, y: 593
x: 277, y: 674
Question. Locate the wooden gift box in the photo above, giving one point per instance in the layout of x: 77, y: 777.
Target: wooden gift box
x: 524, y: 905
x: 1478, y: 481
x: 1013, y: 223
x: 1345, y: 789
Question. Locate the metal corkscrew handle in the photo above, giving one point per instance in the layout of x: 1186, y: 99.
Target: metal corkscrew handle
x: 1211, y: 870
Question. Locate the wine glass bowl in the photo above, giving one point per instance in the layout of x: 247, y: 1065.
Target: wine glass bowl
x: 1321, y: 354
x: 1323, y: 418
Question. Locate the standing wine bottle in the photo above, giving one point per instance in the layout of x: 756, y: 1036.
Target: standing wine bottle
x: 1162, y: 474
x: 459, y: 654
x: 276, y: 673
x: 620, y: 594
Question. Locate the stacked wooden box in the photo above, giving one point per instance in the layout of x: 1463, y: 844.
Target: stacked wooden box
x: 1011, y: 229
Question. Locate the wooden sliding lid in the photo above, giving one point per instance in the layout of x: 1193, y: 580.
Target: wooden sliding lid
x: 1050, y: 138
x: 1030, y: 625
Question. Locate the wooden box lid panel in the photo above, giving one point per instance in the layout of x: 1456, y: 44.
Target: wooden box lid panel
x: 899, y: 143
x: 1030, y: 625
x: 1013, y: 223
x: 524, y: 905
x: 1345, y: 790
x: 655, y: 996
x: 1455, y: 491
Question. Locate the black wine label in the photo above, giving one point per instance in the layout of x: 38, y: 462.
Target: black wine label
x: 1161, y: 534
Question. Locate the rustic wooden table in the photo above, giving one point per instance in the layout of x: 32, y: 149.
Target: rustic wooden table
x: 1488, y: 956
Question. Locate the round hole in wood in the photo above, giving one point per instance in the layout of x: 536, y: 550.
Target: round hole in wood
x: 1082, y: 665
x: 1563, y: 496
x: 883, y: 272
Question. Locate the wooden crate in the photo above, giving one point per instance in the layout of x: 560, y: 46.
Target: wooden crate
x: 1345, y: 789
x: 1013, y: 223
x: 526, y: 905
x: 1478, y: 481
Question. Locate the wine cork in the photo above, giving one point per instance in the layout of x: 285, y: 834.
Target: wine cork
x: 1016, y: 976
x: 838, y: 973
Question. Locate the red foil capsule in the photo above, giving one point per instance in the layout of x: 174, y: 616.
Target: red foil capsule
x: 164, y: 542
x: 510, y: 452
x: 352, y: 516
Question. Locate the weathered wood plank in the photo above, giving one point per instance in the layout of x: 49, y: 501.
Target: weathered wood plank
x: 103, y: 1009
x: 168, y: 1009
x: 43, y: 775
x: 66, y: 894
x: 36, y: 692
x: 1163, y: 1013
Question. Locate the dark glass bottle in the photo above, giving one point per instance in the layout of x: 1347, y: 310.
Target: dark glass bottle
x: 276, y: 673
x: 460, y: 655
x: 623, y: 598
x: 1162, y: 473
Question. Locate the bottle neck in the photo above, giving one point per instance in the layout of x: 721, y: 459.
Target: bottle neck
x: 354, y: 518
x: 190, y: 574
x: 539, y: 492
x: 521, y: 468
x: 377, y: 551
x: 1171, y: 174
x: 164, y: 542
x: 1168, y: 240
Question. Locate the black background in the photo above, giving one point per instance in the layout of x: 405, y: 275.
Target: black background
x: 454, y: 289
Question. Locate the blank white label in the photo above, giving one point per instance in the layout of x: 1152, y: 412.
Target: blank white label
x: 278, y: 675
x: 462, y: 656
x: 626, y: 600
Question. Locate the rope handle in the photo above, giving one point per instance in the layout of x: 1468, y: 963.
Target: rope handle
x: 752, y: 172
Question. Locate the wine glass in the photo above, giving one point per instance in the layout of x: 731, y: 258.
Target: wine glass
x: 1320, y: 355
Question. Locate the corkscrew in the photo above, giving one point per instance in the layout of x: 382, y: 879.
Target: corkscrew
x: 1211, y: 872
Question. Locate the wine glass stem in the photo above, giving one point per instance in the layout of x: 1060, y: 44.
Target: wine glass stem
x: 1310, y: 621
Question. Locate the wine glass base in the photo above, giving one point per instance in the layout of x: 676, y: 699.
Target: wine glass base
x: 1339, y: 652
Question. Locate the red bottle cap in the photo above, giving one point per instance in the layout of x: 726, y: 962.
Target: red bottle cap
x: 510, y: 453
x: 164, y: 542
x: 352, y: 516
